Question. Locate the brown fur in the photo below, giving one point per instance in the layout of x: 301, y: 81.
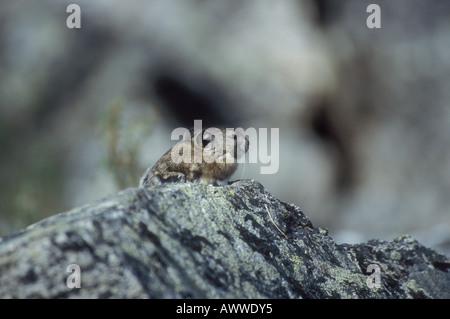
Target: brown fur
x: 209, y: 171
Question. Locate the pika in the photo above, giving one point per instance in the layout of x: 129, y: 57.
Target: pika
x: 205, y: 157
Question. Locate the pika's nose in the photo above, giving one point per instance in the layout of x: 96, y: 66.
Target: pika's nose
x: 247, y: 144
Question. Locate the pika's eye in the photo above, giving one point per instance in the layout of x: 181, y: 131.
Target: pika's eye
x: 207, y: 138
x: 205, y: 142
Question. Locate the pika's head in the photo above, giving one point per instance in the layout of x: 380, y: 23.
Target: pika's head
x: 221, y: 145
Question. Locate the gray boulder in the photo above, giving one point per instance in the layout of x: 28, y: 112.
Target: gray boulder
x: 197, y: 241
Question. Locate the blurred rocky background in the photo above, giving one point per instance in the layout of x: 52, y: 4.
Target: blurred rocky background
x: 364, y: 114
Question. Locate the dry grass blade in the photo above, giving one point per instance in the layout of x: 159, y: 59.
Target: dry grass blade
x: 270, y: 216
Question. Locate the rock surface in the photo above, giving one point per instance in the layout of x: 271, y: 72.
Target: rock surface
x: 197, y: 241
x: 375, y: 146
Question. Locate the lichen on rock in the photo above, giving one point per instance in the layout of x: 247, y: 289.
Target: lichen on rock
x: 200, y: 241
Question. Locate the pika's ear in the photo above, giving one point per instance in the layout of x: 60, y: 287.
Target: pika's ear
x: 187, y: 136
x: 180, y: 131
x: 213, y: 134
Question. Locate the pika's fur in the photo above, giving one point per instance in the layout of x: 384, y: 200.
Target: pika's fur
x: 218, y: 161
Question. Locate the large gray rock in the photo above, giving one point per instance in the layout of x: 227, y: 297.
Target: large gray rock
x: 197, y: 241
